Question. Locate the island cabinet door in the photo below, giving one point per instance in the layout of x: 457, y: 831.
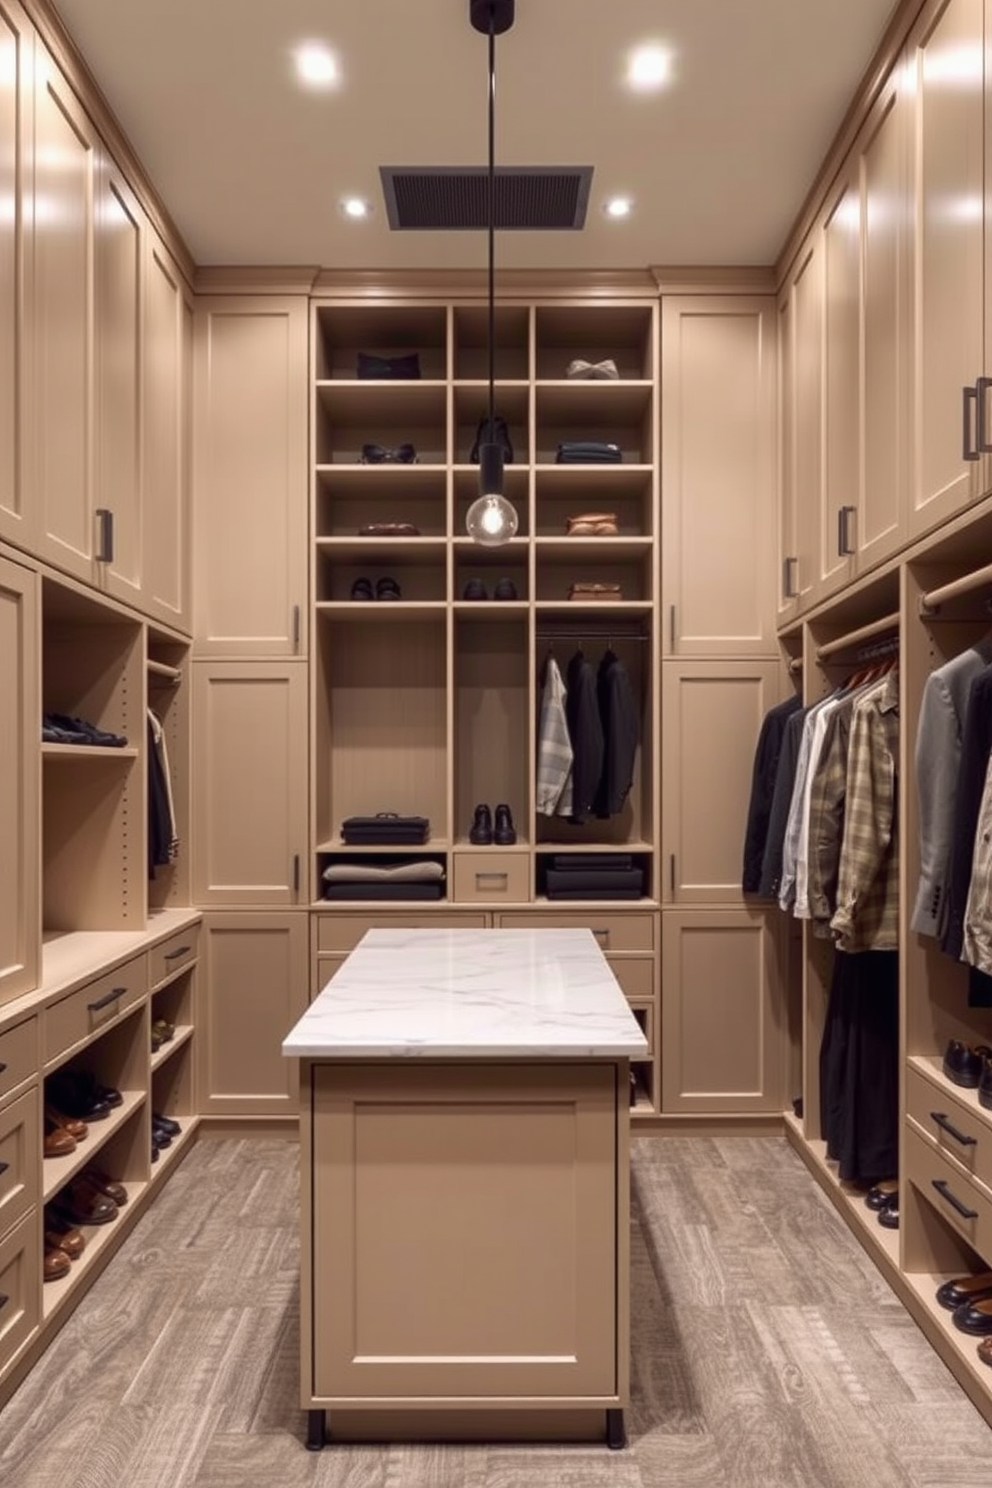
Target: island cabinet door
x: 463, y: 1238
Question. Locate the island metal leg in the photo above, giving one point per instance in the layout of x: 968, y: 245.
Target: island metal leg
x: 616, y: 1436
x: 316, y: 1431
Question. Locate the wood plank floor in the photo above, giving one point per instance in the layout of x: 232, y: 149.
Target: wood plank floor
x: 767, y: 1351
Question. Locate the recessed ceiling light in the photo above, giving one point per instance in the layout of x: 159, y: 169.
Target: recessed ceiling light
x: 316, y: 65
x: 356, y: 207
x: 649, y: 67
x: 618, y: 206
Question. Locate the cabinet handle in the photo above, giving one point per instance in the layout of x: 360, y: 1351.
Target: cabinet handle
x: 844, y: 546
x: 296, y: 873
x: 981, y: 392
x: 179, y: 951
x: 790, y: 589
x: 296, y: 627
x: 671, y: 626
x: 114, y: 995
x: 671, y: 872
x: 3, y: 1167
x: 603, y: 937
x: 502, y: 878
x: 105, y: 535
x: 969, y: 395
x: 952, y: 1130
x: 943, y: 1188
x: 2, y: 1068
x: 4, y: 1299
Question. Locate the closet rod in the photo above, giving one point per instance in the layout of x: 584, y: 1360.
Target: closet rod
x: 964, y: 585
x: 863, y: 633
x: 795, y: 665
x: 581, y: 634
x: 159, y: 669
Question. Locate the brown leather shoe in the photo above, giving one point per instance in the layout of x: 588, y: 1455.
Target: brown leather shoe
x: 74, y: 1125
x: 58, y: 1142
x: 83, y: 1204
x: 67, y: 1239
x: 56, y: 1263
x: 106, y: 1185
x: 985, y: 1351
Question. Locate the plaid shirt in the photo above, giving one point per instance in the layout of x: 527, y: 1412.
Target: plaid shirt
x: 977, y: 919
x: 867, y: 914
x: 826, y: 816
x: 554, y: 748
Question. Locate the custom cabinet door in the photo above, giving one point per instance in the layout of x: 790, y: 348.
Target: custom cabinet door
x: 57, y: 381
x: 165, y: 484
x: 724, y: 1031
x: 837, y: 511
x: 787, y: 578
x: 250, y: 783
x: 20, y: 764
x: 807, y: 415
x: 946, y: 68
x: 16, y: 131
x: 711, y: 717
x: 718, y: 370
x: 252, y: 989
x: 250, y: 476
x: 118, y: 278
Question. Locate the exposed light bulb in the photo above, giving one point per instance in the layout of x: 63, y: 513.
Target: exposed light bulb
x: 491, y: 521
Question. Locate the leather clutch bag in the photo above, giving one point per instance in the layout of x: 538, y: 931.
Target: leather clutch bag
x: 389, y: 369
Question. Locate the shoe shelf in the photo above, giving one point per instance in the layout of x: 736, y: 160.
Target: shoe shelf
x: 569, y: 401
x: 181, y: 1037
x: 169, y: 1156
x: 377, y: 550
x: 564, y: 609
x: 58, y: 1171
x: 593, y: 549
x: 393, y: 610
x: 881, y: 1244
x: 959, y: 1350
x: 490, y: 609
x: 521, y: 844
x: 87, y: 751
x: 361, y: 401
x: 100, y: 1239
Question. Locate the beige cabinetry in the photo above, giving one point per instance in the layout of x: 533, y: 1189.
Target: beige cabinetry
x: 801, y: 312
x: 718, y: 386
x: 250, y: 783
x: 16, y: 164
x: 711, y: 714
x: 253, y: 988
x: 250, y: 476
x: 20, y: 924
x: 723, y: 1025
x: 166, y: 395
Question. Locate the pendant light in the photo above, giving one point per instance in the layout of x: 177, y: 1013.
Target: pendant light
x: 491, y: 519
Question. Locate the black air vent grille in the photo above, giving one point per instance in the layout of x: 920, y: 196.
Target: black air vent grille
x: 454, y: 199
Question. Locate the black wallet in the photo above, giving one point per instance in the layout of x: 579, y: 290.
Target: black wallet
x: 386, y: 827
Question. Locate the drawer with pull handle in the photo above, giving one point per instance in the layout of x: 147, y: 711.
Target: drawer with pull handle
x: 76, y: 1018
x: 173, y: 954
x: 498, y: 877
x: 20, y: 1288
x: 961, y: 1131
x: 612, y: 930
x: 18, y: 1055
x: 965, y: 1205
x: 19, y: 1144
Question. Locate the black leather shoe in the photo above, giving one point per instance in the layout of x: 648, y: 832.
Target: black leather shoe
x: 974, y: 1317
x: 505, y: 589
x: 964, y: 1289
x: 505, y: 833
x: 881, y: 1194
x: 985, y: 1085
x: 481, y: 834
x: 166, y: 1124
x: 474, y: 589
x: 888, y: 1215
x: 963, y: 1065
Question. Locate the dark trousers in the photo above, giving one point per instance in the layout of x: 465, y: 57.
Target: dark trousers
x: 859, y: 1066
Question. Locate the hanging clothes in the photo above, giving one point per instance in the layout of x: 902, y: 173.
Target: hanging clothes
x: 867, y: 914
x: 859, y: 1067
x: 554, y: 747
x: 163, y: 839
x: 763, y: 772
x: 785, y: 778
x: 620, y: 726
x: 585, y: 729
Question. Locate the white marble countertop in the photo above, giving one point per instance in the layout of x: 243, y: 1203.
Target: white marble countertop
x: 470, y: 993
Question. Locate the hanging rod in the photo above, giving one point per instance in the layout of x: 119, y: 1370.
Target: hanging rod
x: 795, y: 665
x: 863, y: 633
x: 583, y: 633
x: 160, y: 669
x: 964, y: 585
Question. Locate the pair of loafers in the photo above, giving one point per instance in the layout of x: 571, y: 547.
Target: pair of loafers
x: 79, y: 1094
x: 969, y: 1301
x: 385, y: 588
x: 162, y: 1031
x: 87, y: 1199
x: 970, y: 1066
x: 484, y: 832
x: 476, y: 589
x: 60, y: 728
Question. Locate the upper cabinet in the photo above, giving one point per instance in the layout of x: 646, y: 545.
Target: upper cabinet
x: 250, y: 476
x: 801, y: 418
x: 16, y: 132
x: 166, y: 393
x: 718, y: 367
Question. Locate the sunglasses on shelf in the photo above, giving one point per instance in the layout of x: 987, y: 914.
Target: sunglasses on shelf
x: 379, y: 454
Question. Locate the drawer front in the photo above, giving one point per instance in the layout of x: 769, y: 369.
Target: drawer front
x: 84, y: 1012
x: 20, y: 1288
x: 18, y: 1055
x: 636, y: 975
x: 960, y: 1131
x: 173, y: 954
x: 492, y: 877
x: 20, y: 1144
x: 324, y: 968
x: 644, y: 1013
x: 341, y: 933
x: 952, y: 1193
x: 613, y: 932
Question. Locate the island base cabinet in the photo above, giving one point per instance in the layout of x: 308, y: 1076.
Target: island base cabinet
x: 463, y: 1245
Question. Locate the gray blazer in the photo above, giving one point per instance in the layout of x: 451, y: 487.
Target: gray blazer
x: 938, y: 756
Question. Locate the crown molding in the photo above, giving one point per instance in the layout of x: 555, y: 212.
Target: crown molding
x: 473, y: 283
x: 749, y: 279
x: 68, y: 58
x: 217, y: 279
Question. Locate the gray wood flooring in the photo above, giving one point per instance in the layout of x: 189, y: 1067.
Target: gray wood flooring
x: 767, y: 1351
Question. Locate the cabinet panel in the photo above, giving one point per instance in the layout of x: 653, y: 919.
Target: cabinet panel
x: 16, y: 71
x: 787, y: 550
x: 57, y: 389
x: 946, y: 62
x: 252, y: 990
x: 807, y: 417
x: 723, y: 1030
x: 838, y: 505
x: 20, y: 726
x: 250, y: 783
x: 20, y: 1143
x: 709, y: 713
x: 20, y: 1287
x: 166, y: 392
x: 718, y: 376
x: 250, y: 477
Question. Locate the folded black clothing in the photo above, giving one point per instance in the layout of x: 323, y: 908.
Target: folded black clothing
x: 389, y: 368
x: 387, y: 828
x: 384, y: 891
x: 591, y: 894
x: 588, y: 451
x: 60, y: 728
x: 595, y: 878
x: 569, y: 862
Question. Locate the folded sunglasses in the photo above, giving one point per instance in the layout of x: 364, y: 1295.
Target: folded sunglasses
x: 379, y: 454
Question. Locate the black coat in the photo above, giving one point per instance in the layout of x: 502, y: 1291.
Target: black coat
x: 618, y: 716
x: 585, y: 729
x: 766, y: 758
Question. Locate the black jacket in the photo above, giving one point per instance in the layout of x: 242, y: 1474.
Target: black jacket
x: 618, y: 715
x: 766, y: 758
x: 785, y: 779
x: 585, y: 729
x: 976, y: 745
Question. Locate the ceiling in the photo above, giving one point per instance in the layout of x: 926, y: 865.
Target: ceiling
x: 252, y: 168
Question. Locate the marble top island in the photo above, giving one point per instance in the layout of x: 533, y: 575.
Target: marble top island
x: 470, y: 994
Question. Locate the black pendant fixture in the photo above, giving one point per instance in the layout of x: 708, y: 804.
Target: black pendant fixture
x: 491, y: 520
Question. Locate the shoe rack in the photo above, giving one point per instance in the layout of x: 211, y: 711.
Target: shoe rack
x: 427, y: 704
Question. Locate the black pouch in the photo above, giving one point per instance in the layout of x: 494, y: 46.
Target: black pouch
x: 500, y: 436
x: 398, y: 368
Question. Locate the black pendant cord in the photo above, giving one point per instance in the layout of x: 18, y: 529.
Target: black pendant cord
x: 492, y: 221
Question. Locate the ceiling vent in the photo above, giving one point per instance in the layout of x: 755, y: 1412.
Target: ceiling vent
x: 456, y: 198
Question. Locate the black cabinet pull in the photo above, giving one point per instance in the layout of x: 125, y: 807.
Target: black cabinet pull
x: 844, y: 515
x: 4, y: 1299
x: 105, y: 540
x: 2, y: 1068
x: 981, y: 389
x: 114, y: 995
x: 952, y: 1130
x: 945, y: 1193
x: 790, y: 590
x: 969, y: 397
x: 4, y: 1166
x: 179, y: 951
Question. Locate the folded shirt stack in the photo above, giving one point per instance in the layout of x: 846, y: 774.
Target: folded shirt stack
x: 588, y: 452
x: 385, y: 827
x: 593, y: 876
x: 604, y: 371
x: 379, y: 879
